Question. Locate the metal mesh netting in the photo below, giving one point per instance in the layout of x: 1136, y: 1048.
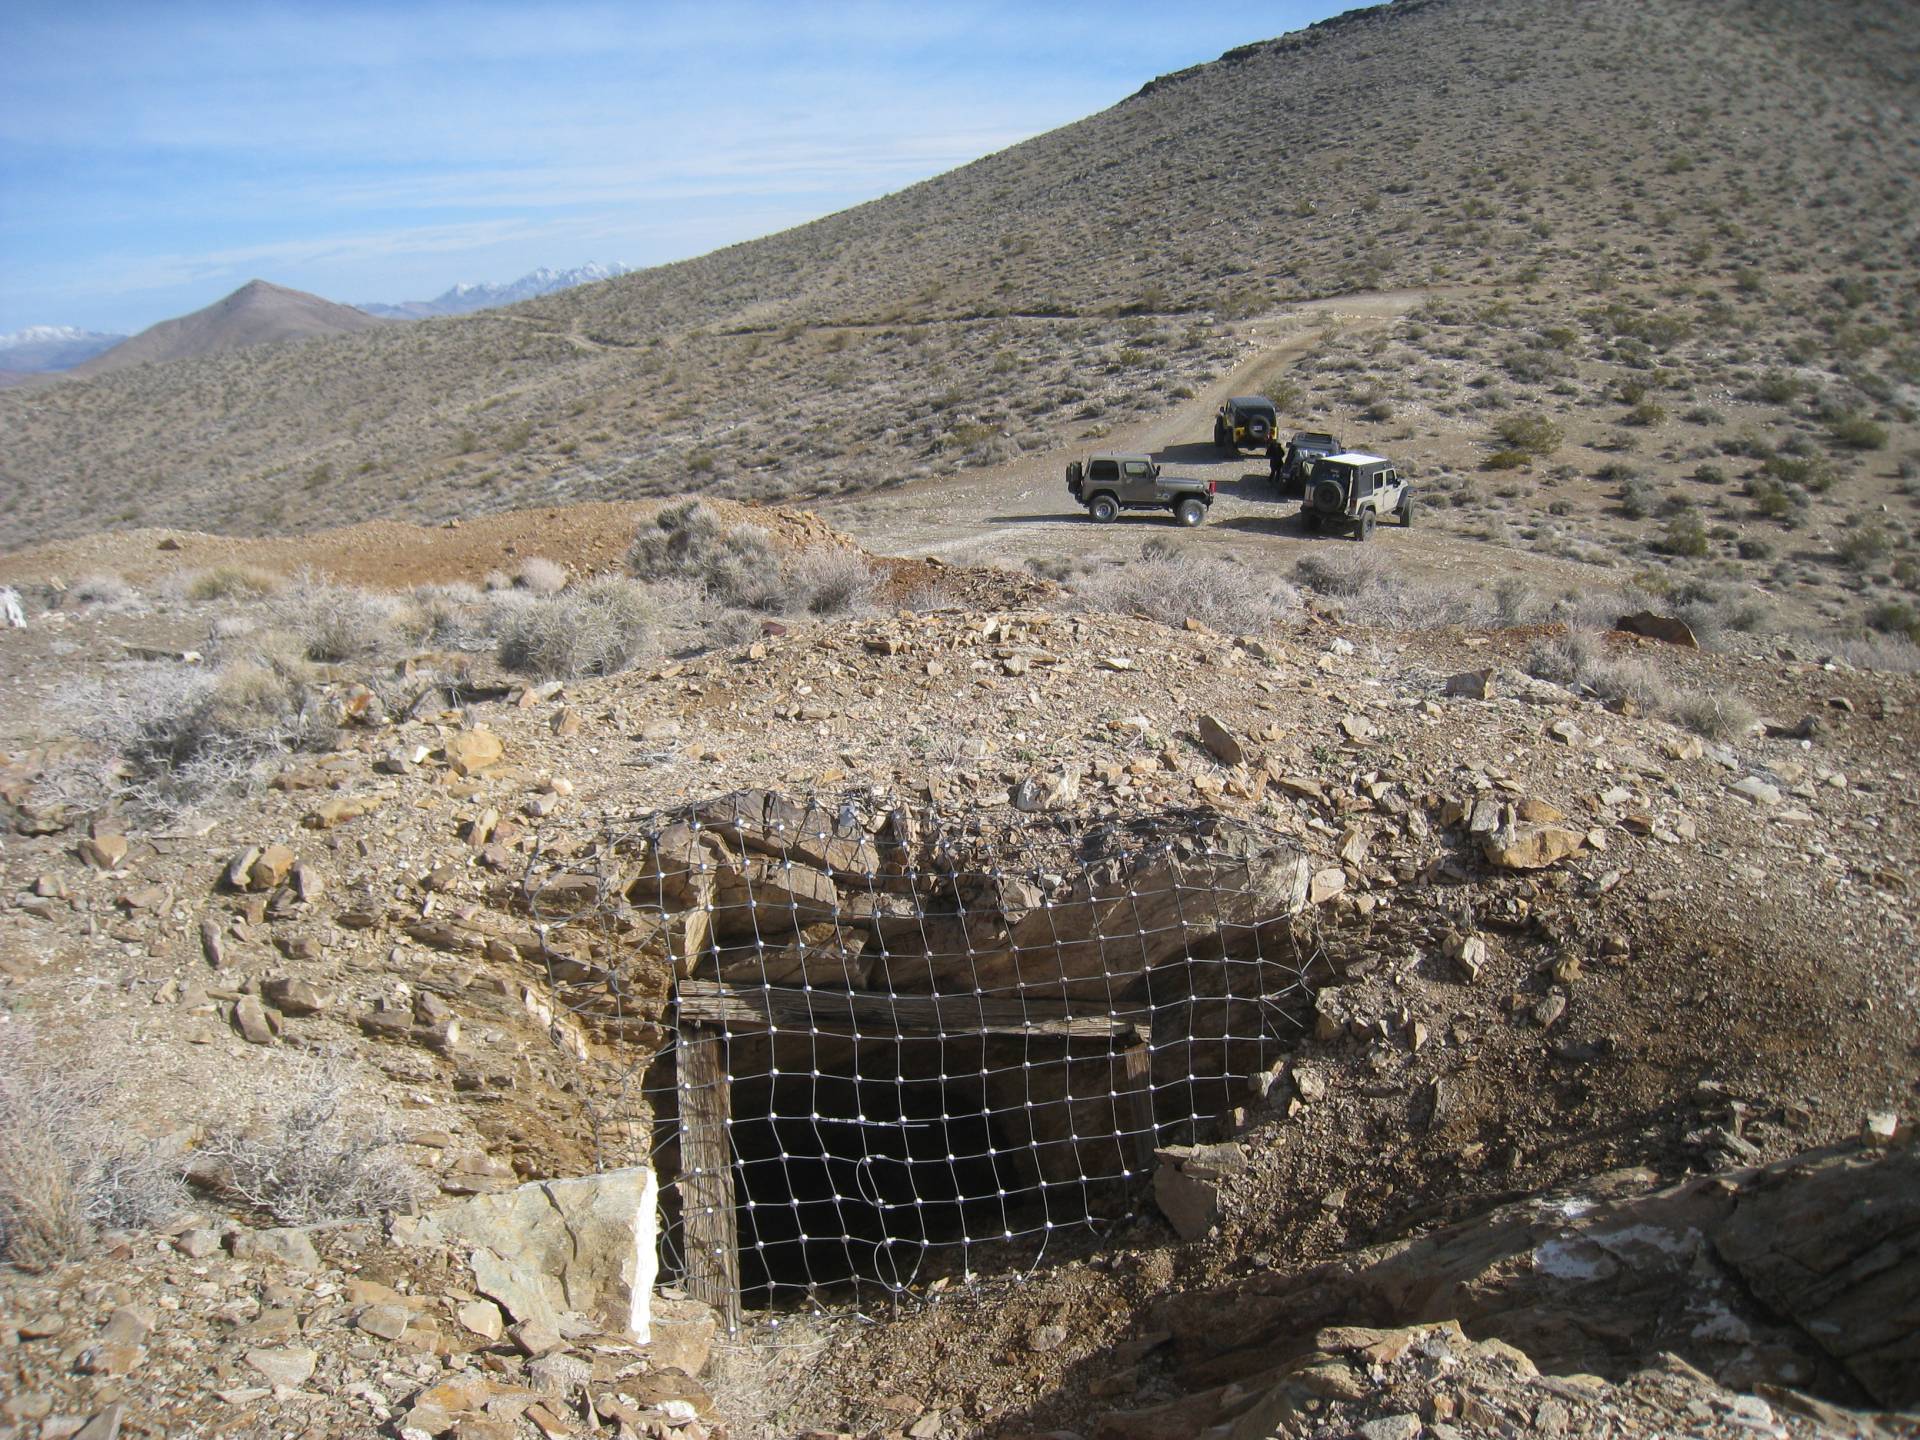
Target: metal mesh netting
x: 896, y: 1042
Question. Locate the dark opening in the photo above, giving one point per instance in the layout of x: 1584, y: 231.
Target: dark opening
x: 842, y: 1178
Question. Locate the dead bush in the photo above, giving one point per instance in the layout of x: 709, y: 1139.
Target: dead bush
x: 1223, y: 594
x: 234, y: 581
x: 828, y: 581
x: 541, y: 575
x: 108, y: 592
x: 186, y: 736
x: 68, y: 1164
x: 599, y: 628
x: 306, y: 1153
x: 1580, y: 661
x: 339, y: 624
x: 1718, y: 715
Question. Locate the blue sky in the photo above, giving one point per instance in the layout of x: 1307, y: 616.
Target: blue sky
x: 155, y: 156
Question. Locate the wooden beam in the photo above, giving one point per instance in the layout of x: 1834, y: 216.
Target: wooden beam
x: 845, y: 1013
x: 709, y: 1230
x: 1133, y: 1108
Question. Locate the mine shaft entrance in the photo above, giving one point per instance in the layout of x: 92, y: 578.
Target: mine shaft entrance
x: 856, y: 1177
x: 828, y: 1138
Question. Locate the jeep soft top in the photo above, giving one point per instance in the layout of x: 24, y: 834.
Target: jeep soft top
x: 1256, y: 404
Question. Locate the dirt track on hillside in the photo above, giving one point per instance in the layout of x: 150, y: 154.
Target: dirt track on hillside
x: 998, y: 516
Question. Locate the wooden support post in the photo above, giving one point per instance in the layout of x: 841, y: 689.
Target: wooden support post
x: 710, y: 1232
x: 1134, y: 1108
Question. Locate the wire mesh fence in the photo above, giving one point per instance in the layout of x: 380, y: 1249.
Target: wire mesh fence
x: 892, y: 1041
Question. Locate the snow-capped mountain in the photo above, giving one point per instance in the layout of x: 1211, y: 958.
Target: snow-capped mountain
x: 40, y: 348
x: 464, y: 298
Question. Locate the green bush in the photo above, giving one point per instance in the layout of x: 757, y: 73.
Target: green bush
x: 1686, y: 534
x: 1531, y: 434
x: 1857, y: 432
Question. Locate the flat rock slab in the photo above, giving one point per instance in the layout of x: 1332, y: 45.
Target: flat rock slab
x: 588, y: 1245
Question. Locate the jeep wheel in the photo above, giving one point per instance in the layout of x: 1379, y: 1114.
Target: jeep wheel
x: 1104, y: 508
x: 1406, y: 510
x: 1189, y: 513
x: 1221, y: 441
x: 1364, y: 530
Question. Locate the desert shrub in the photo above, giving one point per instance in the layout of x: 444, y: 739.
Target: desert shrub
x: 1754, y: 547
x: 1864, y: 543
x: 67, y: 1162
x: 105, y: 591
x: 1858, y: 432
x: 1052, y: 567
x: 1342, y: 572
x: 338, y: 624
x: 1580, y: 661
x: 689, y: 541
x: 1647, y: 412
x: 1685, y: 534
x: 827, y: 580
x: 1504, y: 459
x: 1638, y: 499
x: 232, y: 581
x: 1717, y: 715
x: 305, y: 1154
x: 1532, y: 434
x: 1895, y: 617
x: 187, y: 736
x: 541, y: 575
x: 1815, y: 472
x: 599, y: 628
x: 1220, y: 593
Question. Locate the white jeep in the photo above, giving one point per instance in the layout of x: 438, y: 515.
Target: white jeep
x: 1355, y: 491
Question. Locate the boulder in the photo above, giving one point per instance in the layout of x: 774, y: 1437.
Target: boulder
x: 1219, y: 741
x: 587, y: 1245
x: 1664, y: 628
x: 471, y: 751
x: 1532, y: 847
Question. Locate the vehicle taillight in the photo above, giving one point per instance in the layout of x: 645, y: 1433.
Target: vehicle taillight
x: 1213, y: 486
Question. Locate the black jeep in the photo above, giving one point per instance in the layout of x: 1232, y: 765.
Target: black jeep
x: 1245, y: 421
x: 1295, y: 461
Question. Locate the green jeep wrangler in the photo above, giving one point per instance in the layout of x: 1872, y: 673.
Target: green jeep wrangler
x: 1108, y: 484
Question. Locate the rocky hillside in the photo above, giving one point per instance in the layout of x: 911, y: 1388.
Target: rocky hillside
x: 1568, y: 957
x: 1601, y: 190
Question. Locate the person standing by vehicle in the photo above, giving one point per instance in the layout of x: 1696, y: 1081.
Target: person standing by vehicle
x: 1274, y: 460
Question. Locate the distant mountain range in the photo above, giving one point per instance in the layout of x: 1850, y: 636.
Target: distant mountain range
x: 40, y: 348
x: 256, y: 314
x: 464, y: 299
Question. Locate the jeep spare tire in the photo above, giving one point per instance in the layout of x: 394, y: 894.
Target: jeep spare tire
x: 1326, y: 496
x: 1104, y: 508
x: 1190, y: 513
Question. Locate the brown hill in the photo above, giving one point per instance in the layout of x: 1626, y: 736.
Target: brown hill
x: 256, y: 314
x: 1673, y: 231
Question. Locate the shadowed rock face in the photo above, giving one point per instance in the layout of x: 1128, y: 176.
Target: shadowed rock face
x: 1802, y: 1273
